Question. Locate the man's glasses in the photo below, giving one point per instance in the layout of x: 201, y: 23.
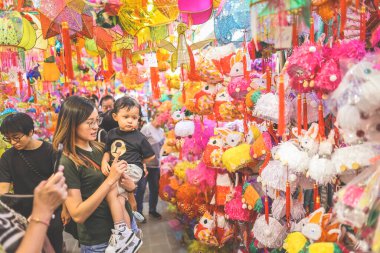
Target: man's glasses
x: 14, y: 138
x: 92, y: 124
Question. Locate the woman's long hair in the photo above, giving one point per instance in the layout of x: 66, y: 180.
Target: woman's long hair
x: 74, y: 111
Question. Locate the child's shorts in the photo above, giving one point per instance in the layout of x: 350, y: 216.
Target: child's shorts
x: 134, y: 172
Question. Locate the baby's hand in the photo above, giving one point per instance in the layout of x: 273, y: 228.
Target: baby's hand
x: 106, y: 168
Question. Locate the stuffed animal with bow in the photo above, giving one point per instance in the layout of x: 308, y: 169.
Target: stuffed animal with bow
x: 205, y: 230
x: 240, y: 82
x: 204, y: 99
x: 224, y: 108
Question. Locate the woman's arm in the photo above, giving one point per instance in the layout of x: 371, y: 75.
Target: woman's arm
x: 48, y: 195
x: 80, y: 210
x: 105, y: 163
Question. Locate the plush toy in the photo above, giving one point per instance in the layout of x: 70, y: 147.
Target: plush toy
x: 251, y: 199
x: 320, y: 228
x: 295, y: 242
x: 234, y: 208
x: 165, y: 191
x: 204, y: 99
x: 190, y: 89
x: 173, y: 81
x: 208, y: 72
x: 186, y: 195
x: 323, y: 247
x: 303, y: 65
x: 184, y: 125
x: 224, y: 109
x: 237, y: 158
x: 353, y: 157
x: 321, y: 168
x: 170, y: 143
x: 202, y: 177
x: 205, y: 230
x: 271, y: 234
x: 181, y: 168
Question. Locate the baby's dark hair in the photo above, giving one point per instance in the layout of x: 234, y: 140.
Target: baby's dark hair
x: 126, y: 102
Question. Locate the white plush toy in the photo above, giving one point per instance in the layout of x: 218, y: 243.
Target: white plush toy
x: 321, y: 168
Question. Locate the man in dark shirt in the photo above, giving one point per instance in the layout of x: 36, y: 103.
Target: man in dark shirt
x: 26, y: 164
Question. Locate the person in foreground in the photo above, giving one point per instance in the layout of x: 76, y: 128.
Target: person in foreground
x: 77, y: 127
x: 25, y: 165
x: 18, y: 236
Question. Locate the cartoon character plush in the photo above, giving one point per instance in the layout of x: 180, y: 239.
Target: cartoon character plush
x: 205, y: 230
x: 240, y: 83
x: 319, y: 227
x: 208, y: 72
x: 237, y: 158
x: 234, y: 206
x: 224, y: 108
x: 170, y: 143
x: 204, y: 99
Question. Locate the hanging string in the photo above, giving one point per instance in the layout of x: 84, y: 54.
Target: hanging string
x: 362, y: 23
x: 288, y: 203
x: 321, y: 120
x: 281, y: 109
x: 315, y: 195
x: 343, y: 17
x: 299, y: 113
x: 266, y: 206
x: 269, y: 78
x: 79, y: 56
x: 305, y: 121
x: 295, y: 30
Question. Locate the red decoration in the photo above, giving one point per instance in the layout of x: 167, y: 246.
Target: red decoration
x: 305, y: 121
x: 312, y: 29
x: 288, y: 203
x: 266, y: 206
x: 295, y: 32
x: 362, y: 23
x: 67, y: 51
x: 315, y: 195
x: 19, y: 74
x: 154, y: 77
x: 269, y: 78
x: 299, y: 113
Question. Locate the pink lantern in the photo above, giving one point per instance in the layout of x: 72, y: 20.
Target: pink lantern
x: 195, y: 12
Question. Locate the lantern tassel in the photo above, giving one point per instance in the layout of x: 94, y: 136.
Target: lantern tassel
x: 281, y: 111
x: 269, y: 78
x: 19, y: 74
x: 362, y: 24
x: 321, y: 120
x: 312, y: 29
x: 305, y: 121
x: 299, y: 113
x: 343, y: 16
x: 315, y: 195
x: 295, y: 32
x: 288, y: 203
x: 67, y: 50
x: 266, y: 206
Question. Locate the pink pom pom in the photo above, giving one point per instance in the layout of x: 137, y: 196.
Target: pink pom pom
x: 353, y: 49
x: 234, y: 208
x: 303, y: 65
x: 238, y: 88
x: 375, y: 39
x: 329, y: 77
x: 202, y: 176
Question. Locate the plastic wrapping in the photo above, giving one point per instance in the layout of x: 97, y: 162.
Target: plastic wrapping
x: 354, y: 201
